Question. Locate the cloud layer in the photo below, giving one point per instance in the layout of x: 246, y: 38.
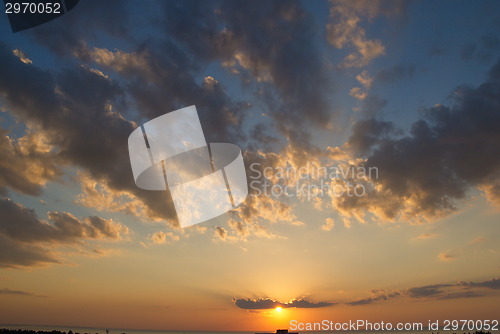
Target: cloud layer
x: 448, y: 152
x: 28, y: 241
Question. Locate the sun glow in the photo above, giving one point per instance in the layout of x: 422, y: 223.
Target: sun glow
x: 279, y: 309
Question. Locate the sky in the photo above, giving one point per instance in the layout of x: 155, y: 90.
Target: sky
x: 392, y: 107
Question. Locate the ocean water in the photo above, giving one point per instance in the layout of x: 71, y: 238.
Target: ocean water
x: 93, y: 330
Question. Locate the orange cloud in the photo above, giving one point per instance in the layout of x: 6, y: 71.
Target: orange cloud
x: 446, y: 257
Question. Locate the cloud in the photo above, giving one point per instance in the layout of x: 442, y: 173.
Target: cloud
x: 70, y: 105
x: 64, y: 35
x: 267, y: 303
x: 426, y: 291
x: 433, y: 292
x: 377, y: 295
x: 256, y: 304
x: 163, y: 73
x: 239, y: 231
x: 491, y: 189
x: 368, y: 133
x: 345, y: 29
x: 159, y: 75
x: 463, y: 294
x: 28, y: 241
x: 445, y: 257
x: 302, y: 303
x: 21, y: 223
x: 373, y: 104
x: 263, y: 232
x: 357, y: 93
x: 365, y: 79
x: 9, y: 292
x: 162, y: 79
x: 22, y: 56
x: 99, y: 195
x: 27, y: 164
x: 449, y: 291
x: 220, y: 232
x: 422, y: 175
x: 477, y: 240
x: 163, y: 237
x: 272, y: 46
x: 490, y: 284
x: 425, y: 236
x: 328, y: 225
x: 15, y: 254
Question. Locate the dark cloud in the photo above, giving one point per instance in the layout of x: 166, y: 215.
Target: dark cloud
x: 378, y: 295
x: 491, y: 284
x: 368, y: 133
x: 14, y: 254
x: 363, y: 301
x: 448, y: 151
x: 74, y: 104
x: 22, y: 224
x: 463, y: 294
x: 267, y: 303
x: 426, y: 291
x: 156, y: 77
x: 302, y: 303
x: 272, y: 46
x: 272, y: 42
x: 9, y: 292
x: 256, y: 304
x: 162, y: 77
x: 28, y: 241
x: 434, y: 292
x: 449, y: 291
x: 165, y: 79
x: 73, y: 29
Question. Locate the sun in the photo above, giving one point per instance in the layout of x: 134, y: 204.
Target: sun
x: 279, y: 309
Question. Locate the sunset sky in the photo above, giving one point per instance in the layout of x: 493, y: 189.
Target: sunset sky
x: 410, y: 88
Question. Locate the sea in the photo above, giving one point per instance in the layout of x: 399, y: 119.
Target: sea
x: 94, y: 330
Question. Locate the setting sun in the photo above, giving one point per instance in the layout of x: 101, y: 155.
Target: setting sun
x: 279, y: 309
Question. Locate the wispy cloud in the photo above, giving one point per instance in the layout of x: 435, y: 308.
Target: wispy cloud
x: 446, y: 256
x: 432, y: 292
x: 425, y: 236
x: 9, y: 292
